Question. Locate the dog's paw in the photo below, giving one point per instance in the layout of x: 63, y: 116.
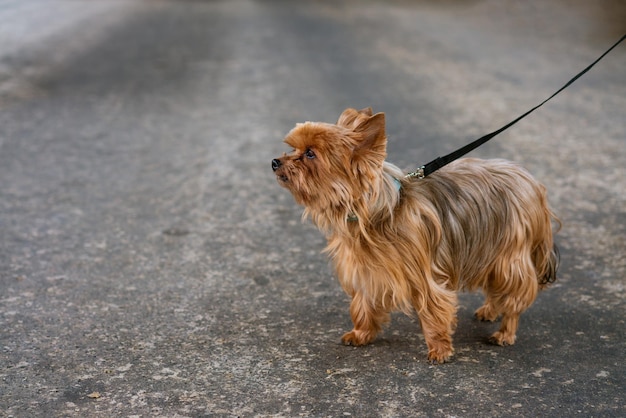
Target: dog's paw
x: 486, y: 313
x: 502, y: 339
x: 439, y: 356
x: 356, y: 338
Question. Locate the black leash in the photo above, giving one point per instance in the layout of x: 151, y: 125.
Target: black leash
x: 439, y: 162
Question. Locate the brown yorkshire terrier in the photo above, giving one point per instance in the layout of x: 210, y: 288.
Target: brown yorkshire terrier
x: 408, y: 244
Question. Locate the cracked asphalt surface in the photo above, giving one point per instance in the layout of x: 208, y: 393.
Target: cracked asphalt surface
x: 151, y: 266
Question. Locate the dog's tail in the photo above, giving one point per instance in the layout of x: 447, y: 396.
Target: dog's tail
x: 551, y: 266
x: 547, y: 256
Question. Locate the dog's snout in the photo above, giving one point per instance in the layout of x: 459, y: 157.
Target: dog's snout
x: 276, y: 164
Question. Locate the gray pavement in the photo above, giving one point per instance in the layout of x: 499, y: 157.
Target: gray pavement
x: 151, y: 266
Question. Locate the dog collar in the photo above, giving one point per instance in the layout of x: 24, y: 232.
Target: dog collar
x: 397, y: 183
x: 353, y: 218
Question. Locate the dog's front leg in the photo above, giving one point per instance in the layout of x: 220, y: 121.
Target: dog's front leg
x: 367, y: 318
x: 438, y: 339
x: 437, y: 314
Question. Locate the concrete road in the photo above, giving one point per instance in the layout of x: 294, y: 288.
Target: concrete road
x: 151, y: 266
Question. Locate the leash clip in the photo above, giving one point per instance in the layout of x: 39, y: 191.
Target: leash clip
x: 419, y: 173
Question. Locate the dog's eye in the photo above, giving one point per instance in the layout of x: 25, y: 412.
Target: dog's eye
x: 309, y: 154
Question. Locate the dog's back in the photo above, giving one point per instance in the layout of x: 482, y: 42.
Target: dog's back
x: 490, y: 211
x: 496, y: 235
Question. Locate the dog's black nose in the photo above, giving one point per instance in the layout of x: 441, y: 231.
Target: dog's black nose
x: 275, y: 164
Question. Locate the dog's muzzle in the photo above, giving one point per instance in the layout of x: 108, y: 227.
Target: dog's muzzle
x: 280, y: 175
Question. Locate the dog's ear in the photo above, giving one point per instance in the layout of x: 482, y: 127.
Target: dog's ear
x: 351, y: 118
x: 347, y: 118
x: 367, y: 111
x: 372, y: 131
x: 372, y: 140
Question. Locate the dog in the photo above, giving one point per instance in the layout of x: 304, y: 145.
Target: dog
x: 409, y: 244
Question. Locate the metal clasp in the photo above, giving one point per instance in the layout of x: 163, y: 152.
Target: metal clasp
x: 419, y: 173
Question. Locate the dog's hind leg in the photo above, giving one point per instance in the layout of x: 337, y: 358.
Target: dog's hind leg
x: 506, y: 335
x: 511, y: 294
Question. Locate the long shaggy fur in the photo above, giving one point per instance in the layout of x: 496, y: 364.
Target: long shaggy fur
x: 408, y: 244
